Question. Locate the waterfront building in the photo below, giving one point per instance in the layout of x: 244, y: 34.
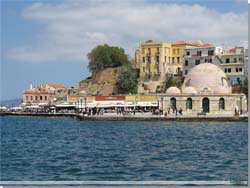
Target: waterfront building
x: 246, y: 62
x: 44, y: 94
x: 158, y: 60
x: 36, y: 96
x: 206, y: 90
x: 232, y: 63
x: 204, y: 53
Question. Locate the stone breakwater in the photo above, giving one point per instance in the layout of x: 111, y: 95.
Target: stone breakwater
x: 145, y: 117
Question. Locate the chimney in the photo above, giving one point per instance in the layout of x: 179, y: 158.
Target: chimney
x: 31, y: 86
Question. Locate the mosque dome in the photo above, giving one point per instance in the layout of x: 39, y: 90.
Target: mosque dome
x: 189, y: 90
x: 207, y: 77
x: 173, y: 90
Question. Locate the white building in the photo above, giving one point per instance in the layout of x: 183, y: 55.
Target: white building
x: 205, y: 53
x: 232, y: 63
x: 205, y: 91
x: 246, y: 62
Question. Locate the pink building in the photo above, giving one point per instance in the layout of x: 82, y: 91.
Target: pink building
x: 42, y: 94
x: 36, y: 96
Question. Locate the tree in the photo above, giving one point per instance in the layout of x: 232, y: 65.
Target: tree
x: 105, y: 56
x: 173, y: 82
x: 127, y: 82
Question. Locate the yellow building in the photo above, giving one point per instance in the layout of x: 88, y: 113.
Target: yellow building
x: 156, y: 59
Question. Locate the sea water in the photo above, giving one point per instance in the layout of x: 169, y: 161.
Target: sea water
x: 61, y: 149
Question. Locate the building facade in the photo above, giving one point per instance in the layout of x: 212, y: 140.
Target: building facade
x: 156, y: 59
x: 246, y: 62
x: 232, y: 63
x: 204, y: 53
x: 36, y: 96
x: 205, y: 91
x: 44, y: 94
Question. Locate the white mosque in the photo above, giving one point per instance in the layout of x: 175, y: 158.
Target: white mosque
x: 205, y: 90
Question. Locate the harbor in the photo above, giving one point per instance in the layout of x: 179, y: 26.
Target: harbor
x: 133, y: 117
x: 66, y: 149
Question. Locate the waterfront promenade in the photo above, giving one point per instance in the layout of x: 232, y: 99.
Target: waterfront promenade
x: 133, y: 117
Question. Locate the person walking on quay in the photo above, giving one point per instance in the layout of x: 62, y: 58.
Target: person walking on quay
x: 180, y: 111
x: 176, y: 111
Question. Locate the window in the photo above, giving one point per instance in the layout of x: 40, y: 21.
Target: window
x: 27, y: 98
x: 41, y: 97
x: 31, y: 97
x: 227, y: 60
x: 169, y: 59
x: 206, y: 60
x: 36, y: 98
x: 143, y: 59
x: 186, y: 62
x: 240, y: 69
x: 222, y: 104
x: 172, y: 59
x: 178, y: 51
x: 210, y: 52
x: 187, y: 53
x: 189, y: 104
x: 186, y: 72
x: 173, y: 51
x: 149, y: 59
x: 225, y: 70
x: 210, y: 60
x: 165, y: 58
x: 197, y: 62
x: 45, y: 98
x: 143, y: 69
x: 240, y: 59
x: 235, y: 60
x: 178, y: 60
x: 157, y: 59
x: 236, y: 69
x: 199, y: 53
x: 229, y: 70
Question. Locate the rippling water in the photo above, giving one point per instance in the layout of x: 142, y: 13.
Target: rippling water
x: 34, y: 148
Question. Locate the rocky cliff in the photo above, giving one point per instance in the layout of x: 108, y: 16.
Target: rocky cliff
x: 103, y: 82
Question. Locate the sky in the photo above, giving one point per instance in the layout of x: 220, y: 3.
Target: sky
x: 47, y: 41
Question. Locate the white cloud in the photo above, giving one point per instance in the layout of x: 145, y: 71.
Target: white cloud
x: 73, y: 28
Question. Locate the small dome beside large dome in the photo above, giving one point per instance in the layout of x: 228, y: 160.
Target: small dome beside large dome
x: 207, y: 75
x: 173, y: 90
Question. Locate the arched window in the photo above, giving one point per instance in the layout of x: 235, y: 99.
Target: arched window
x: 173, y: 103
x: 222, y: 104
x: 189, y: 104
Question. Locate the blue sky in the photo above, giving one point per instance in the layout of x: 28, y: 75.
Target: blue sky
x: 47, y: 41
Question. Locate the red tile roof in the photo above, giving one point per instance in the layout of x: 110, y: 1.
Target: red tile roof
x: 232, y: 50
x: 56, y: 86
